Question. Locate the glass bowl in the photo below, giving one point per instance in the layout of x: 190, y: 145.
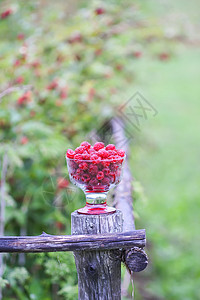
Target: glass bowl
x: 95, y: 178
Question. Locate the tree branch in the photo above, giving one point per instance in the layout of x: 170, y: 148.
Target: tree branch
x: 14, y: 89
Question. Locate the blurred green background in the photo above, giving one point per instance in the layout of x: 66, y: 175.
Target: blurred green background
x: 65, y: 68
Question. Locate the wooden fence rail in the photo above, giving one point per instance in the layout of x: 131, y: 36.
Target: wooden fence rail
x: 51, y: 243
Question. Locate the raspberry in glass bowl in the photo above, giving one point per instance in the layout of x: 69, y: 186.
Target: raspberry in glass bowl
x: 95, y: 169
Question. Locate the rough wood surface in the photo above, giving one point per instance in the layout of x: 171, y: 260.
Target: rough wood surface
x: 99, y: 272
x: 51, y: 243
x: 123, y: 193
x: 135, y: 259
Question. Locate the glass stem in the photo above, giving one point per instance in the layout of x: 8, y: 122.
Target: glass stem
x: 95, y: 198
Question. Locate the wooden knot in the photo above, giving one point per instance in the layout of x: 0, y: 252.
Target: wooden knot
x: 135, y: 259
x: 44, y: 234
x: 91, y: 270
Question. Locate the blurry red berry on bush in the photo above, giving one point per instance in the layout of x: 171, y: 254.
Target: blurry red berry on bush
x: 137, y: 54
x: 119, y: 67
x: 164, y: 56
x: 19, y: 80
x: 6, y: 13
x: 99, y: 11
x: 36, y: 64
x: 63, y: 93
x: 24, y: 140
x: 53, y: 85
x: 75, y: 38
x: 91, y: 94
x: 17, y: 63
x: 24, y: 99
x: 59, y: 225
x: 20, y: 36
x: 98, y: 52
x: 62, y: 183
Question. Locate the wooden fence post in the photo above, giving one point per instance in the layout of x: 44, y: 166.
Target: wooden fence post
x: 99, y: 272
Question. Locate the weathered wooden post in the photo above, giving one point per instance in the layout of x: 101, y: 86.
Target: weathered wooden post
x: 99, y: 272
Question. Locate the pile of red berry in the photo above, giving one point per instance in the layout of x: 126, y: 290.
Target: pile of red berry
x: 97, y: 167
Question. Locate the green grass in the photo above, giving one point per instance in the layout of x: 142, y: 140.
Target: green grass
x: 166, y: 161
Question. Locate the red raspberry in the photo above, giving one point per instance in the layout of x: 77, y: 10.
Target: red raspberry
x: 70, y: 153
x: 111, y: 153
x: 105, y: 181
x: 98, y: 146
x: 19, y: 80
x: 91, y: 151
x: 93, y: 182
x: 24, y: 140
x: 20, y: 36
x: 77, y: 177
x: 86, y: 145
x: 118, y: 159
x: 83, y: 166
x: 112, y: 158
x: 100, y: 175
x: 121, y: 152
x: 93, y: 169
x: 79, y: 172
x: 53, y: 85
x: 113, y: 167
x: 112, y: 177
x: 6, y: 13
x: 85, y: 178
x: 95, y: 159
x: 99, y: 11
x: 86, y: 155
x: 106, y: 171
x: 79, y: 149
x: 78, y: 157
x: 110, y: 147
x: 103, y: 153
x: 105, y: 163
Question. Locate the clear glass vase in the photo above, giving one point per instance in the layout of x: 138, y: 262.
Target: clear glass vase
x: 95, y: 179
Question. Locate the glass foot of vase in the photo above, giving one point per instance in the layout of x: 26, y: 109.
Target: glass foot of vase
x: 96, y: 209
